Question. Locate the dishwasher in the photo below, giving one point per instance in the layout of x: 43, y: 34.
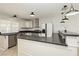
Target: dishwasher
x: 12, y: 40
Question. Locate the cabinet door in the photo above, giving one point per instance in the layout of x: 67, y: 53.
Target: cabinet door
x: 28, y: 24
x: 3, y: 42
x: 37, y: 23
x: 12, y: 40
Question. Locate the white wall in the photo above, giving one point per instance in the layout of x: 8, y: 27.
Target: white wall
x: 45, y: 20
x: 71, y: 25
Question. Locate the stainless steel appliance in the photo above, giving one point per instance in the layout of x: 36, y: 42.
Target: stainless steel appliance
x: 12, y: 40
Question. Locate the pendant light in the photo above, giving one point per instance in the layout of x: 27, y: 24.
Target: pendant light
x: 14, y: 15
x: 65, y: 18
x: 72, y: 11
x: 32, y: 14
x: 62, y: 21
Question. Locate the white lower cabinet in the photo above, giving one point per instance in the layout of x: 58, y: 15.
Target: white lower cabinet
x: 33, y: 48
x: 72, y: 41
x: 3, y: 42
x: 22, y: 48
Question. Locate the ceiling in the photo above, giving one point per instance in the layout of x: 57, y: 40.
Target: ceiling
x: 41, y: 10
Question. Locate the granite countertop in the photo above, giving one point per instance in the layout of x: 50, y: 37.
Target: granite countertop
x: 49, y: 40
x: 70, y: 34
x: 8, y: 34
x: 32, y: 31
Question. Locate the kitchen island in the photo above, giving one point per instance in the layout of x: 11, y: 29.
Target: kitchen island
x: 37, y: 46
x: 71, y: 38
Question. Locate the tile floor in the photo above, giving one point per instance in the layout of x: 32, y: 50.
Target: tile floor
x: 10, y: 52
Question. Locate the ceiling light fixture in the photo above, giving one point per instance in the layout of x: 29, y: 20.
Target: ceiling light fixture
x: 65, y: 18
x: 65, y: 7
x: 32, y: 14
x: 14, y: 15
x: 62, y: 21
x: 72, y: 11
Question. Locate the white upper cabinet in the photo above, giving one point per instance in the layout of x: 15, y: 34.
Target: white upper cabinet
x: 7, y: 26
x: 28, y: 24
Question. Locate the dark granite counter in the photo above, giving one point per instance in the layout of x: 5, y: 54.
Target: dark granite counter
x: 50, y: 40
x: 8, y: 34
x: 32, y: 31
x: 70, y: 34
